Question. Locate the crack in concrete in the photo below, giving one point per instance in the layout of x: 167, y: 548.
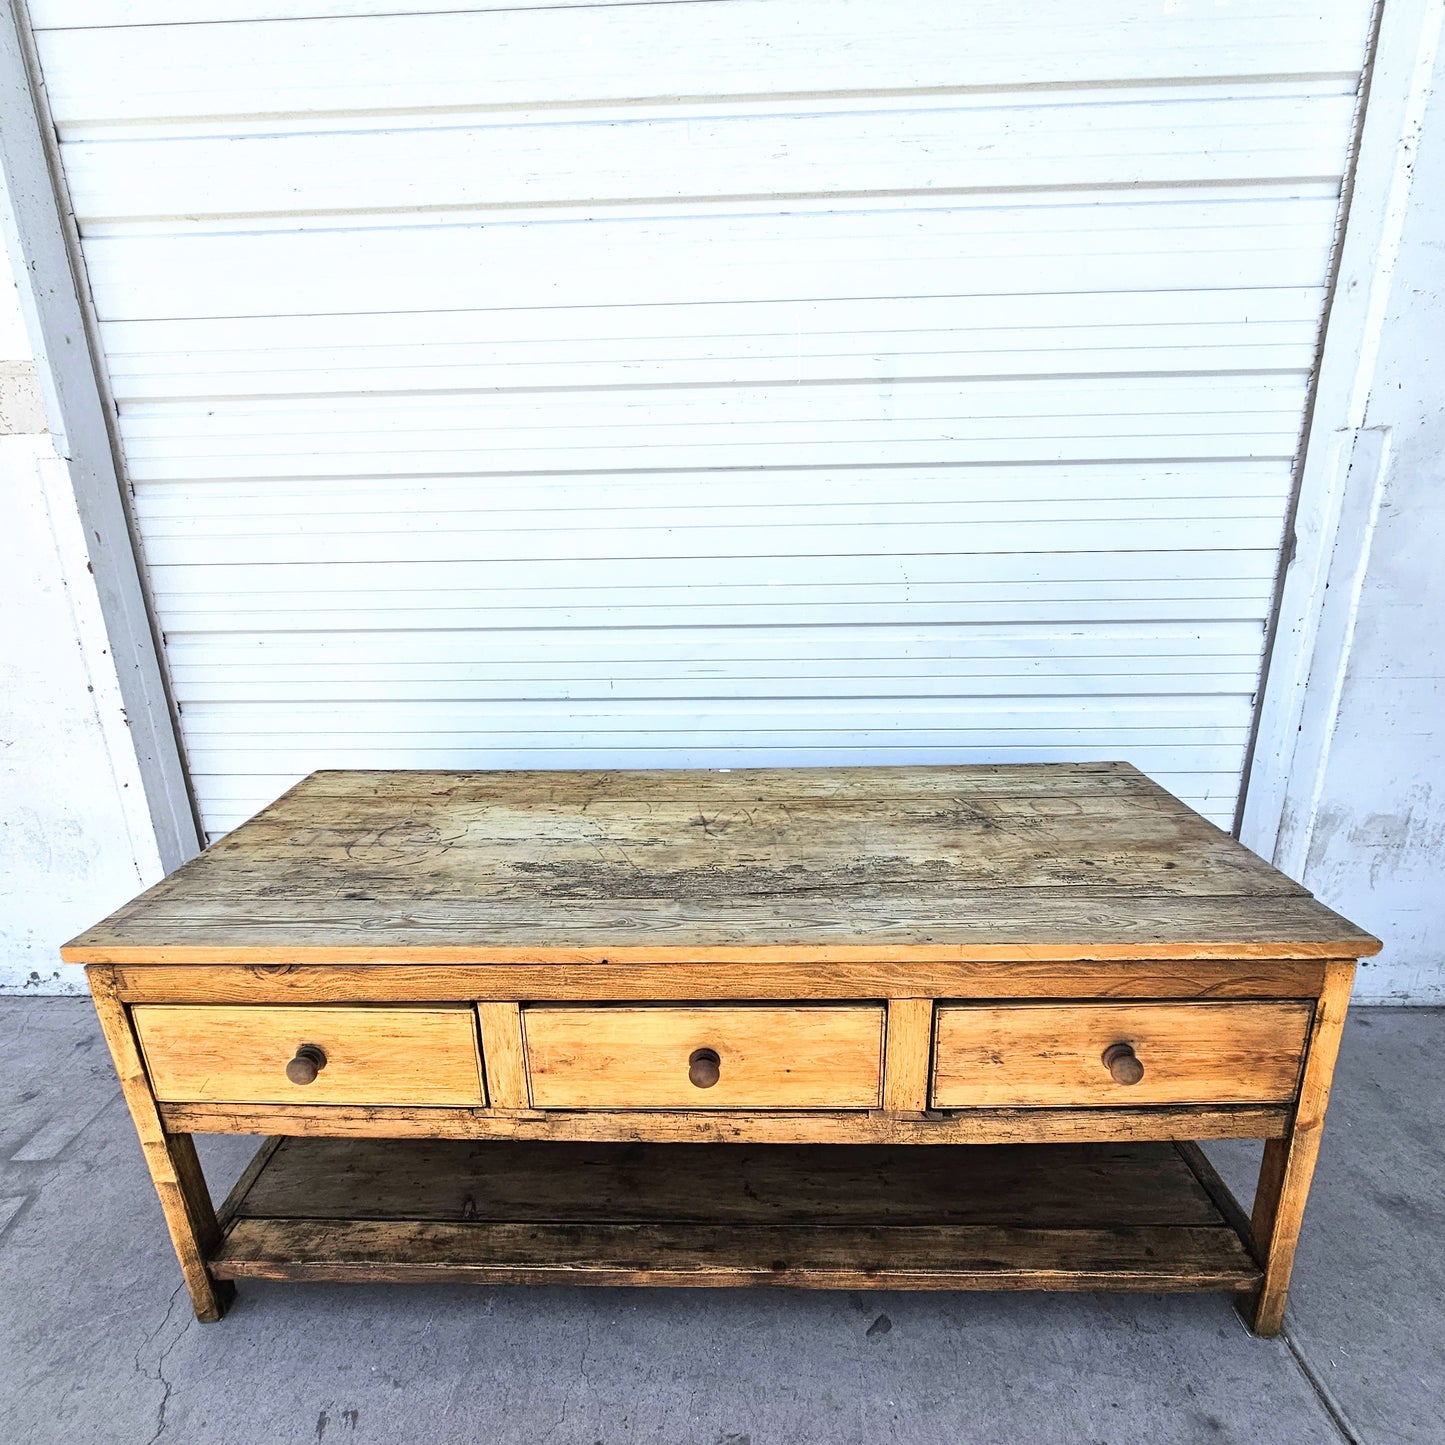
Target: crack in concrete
x: 1328, y: 1403
x: 560, y: 1422
x: 159, y: 1376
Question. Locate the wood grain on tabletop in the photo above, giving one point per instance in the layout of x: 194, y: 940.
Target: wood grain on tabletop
x: 1025, y: 861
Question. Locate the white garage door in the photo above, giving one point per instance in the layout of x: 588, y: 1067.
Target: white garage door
x: 707, y: 383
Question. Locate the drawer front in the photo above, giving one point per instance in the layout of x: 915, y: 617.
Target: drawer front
x: 762, y: 1057
x: 1053, y: 1054
x: 239, y: 1055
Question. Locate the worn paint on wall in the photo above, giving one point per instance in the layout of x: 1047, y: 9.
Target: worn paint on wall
x: 22, y: 413
x: 21, y: 410
x: 1378, y: 834
x: 73, y: 842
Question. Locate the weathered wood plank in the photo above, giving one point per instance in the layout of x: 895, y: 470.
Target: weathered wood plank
x: 503, y: 1061
x: 1011, y: 924
x: 1132, y: 1216
x: 1033, y: 862
x: 1214, y: 1186
x: 1055, y: 1186
x: 602, y: 981
x: 907, y: 1054
x: 974, y: 1126
x: 231, y: 1206
x: 1289, y: 1163
x: 170, y: 1156
x: 680, y: 849
x: 809, y: 1257
x: 569, y: 786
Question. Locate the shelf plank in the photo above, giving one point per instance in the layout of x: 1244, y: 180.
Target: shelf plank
x: 806, y: 1256
x: 1088, y: 1216
x: 1098, y: 1185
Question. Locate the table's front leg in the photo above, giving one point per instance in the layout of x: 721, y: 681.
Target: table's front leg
x: 171, y: 1158
x: 1289, y: 1163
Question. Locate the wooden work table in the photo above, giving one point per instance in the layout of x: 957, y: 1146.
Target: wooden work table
x: 687, y: 1028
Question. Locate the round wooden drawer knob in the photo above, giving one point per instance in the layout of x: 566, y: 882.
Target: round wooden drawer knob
x: 704, y: 1068
x: 1123, y: 1064
x: 309, y: 1062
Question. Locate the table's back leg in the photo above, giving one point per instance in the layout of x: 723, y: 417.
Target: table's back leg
x: 1289, y: 1163
x: 171, y: 1158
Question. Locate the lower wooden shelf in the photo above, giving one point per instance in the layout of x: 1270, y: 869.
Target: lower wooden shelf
x: 1055, y: 1216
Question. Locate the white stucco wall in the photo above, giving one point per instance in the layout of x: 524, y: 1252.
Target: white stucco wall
x: 75, y: 837
x: 1376, y: 848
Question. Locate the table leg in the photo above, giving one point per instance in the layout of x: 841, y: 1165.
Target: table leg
x: 171, y: 1158
x: 1289, y: 1163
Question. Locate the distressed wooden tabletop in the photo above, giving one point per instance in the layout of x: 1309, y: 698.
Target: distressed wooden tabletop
x: 1032, y: 861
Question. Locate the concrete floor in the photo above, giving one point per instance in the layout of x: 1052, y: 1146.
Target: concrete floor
x: 98, y: 1344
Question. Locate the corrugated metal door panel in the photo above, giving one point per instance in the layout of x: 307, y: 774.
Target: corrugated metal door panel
x: 753, y: 381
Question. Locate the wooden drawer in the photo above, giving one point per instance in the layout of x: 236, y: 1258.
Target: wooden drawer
x: 767, y: 1057
x: 1053, y: 1054
x: 239, y: 1055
